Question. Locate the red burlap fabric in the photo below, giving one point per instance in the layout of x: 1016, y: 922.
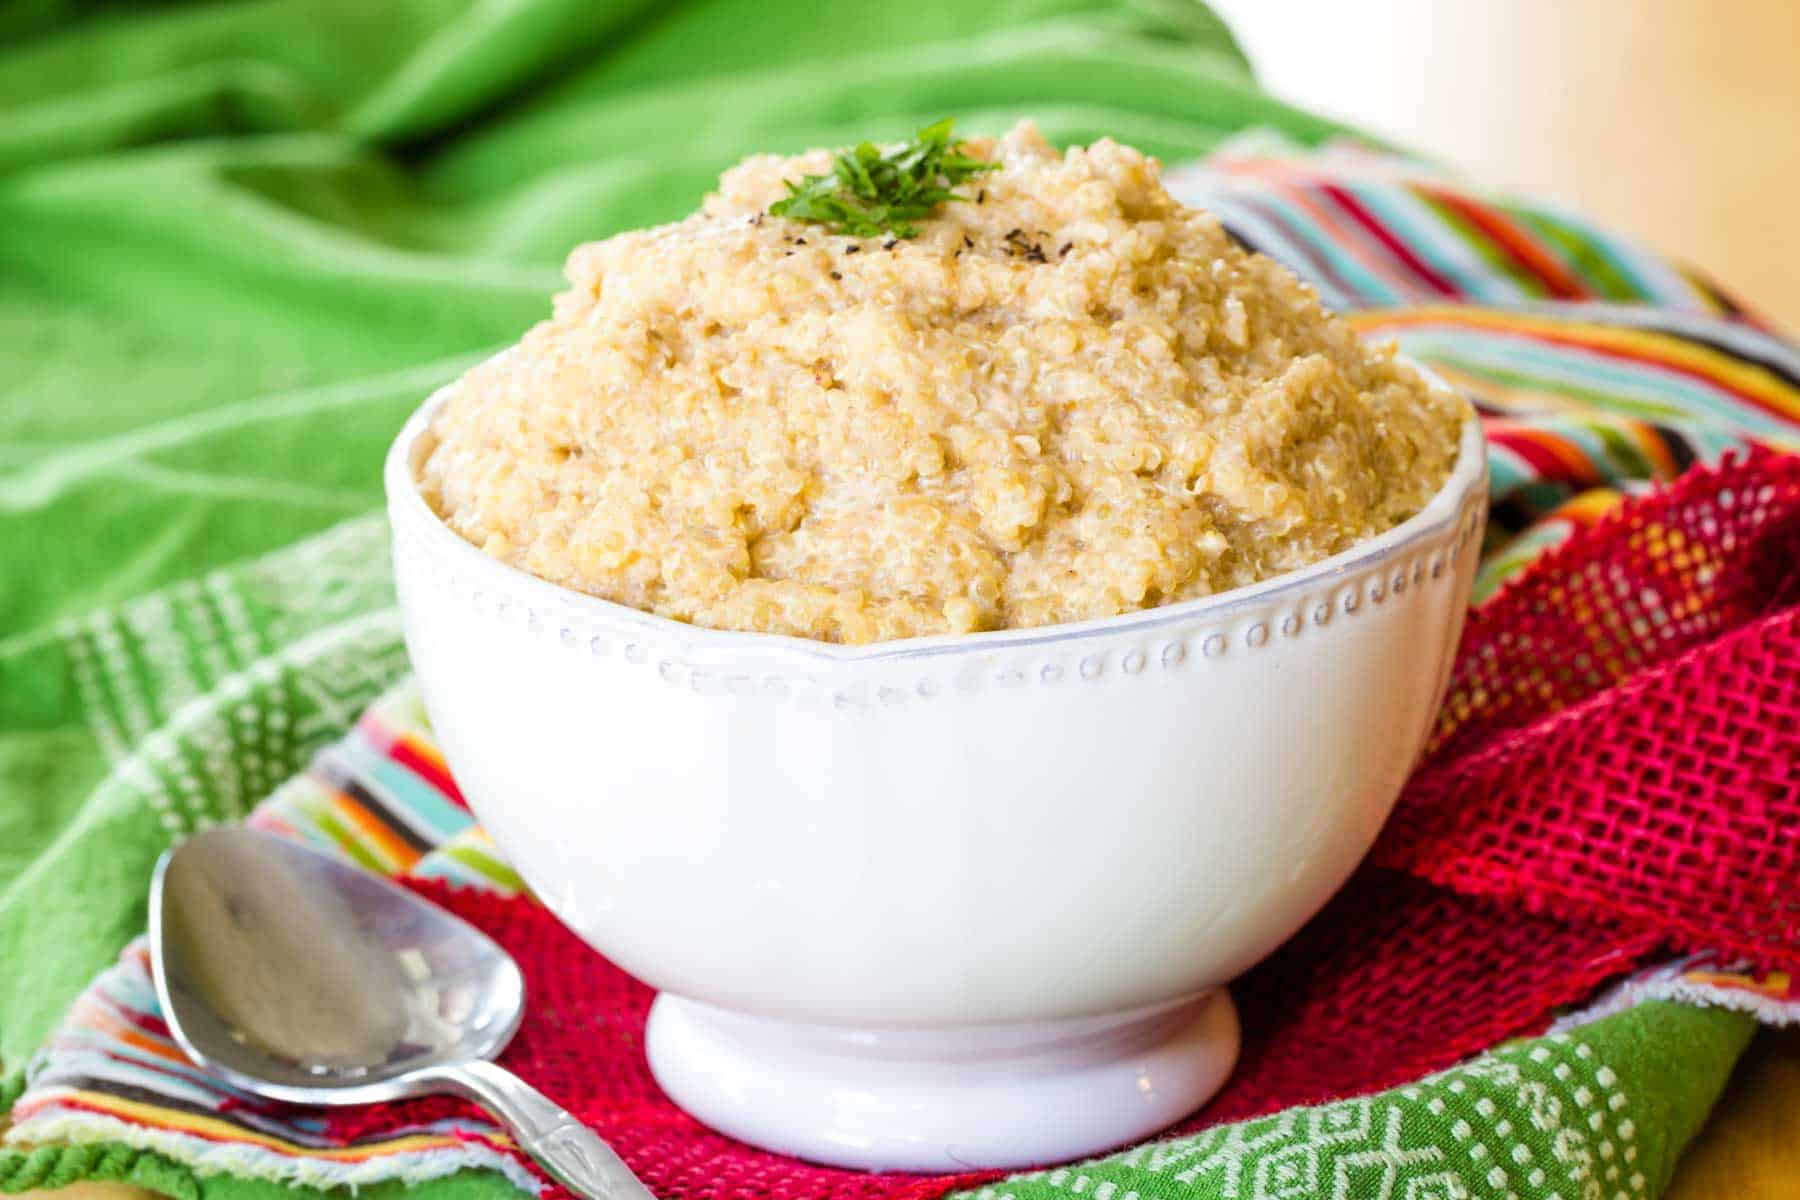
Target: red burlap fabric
x: 1616, y: 775
x: 1621, y: 740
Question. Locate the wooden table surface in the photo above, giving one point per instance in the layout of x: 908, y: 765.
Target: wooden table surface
x: 1750, y: 1150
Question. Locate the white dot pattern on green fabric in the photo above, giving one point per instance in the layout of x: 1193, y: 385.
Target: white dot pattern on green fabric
x: 207, y: 695
x: 1510, y: 1125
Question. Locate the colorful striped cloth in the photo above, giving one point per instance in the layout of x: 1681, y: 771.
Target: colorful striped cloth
x: 1583, y: 404
x: 1371, y: 229
x: 1599, y: 370
x: 383, y: 798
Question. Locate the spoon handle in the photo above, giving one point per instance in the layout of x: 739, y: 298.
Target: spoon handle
x: 563, y: 1146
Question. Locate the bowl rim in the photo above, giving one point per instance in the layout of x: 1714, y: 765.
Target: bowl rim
x: 408, y: 513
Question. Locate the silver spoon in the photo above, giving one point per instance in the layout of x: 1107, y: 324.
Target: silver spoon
x: 293, y: 976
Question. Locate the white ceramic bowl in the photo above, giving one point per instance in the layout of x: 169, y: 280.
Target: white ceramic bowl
x: 952, y: 901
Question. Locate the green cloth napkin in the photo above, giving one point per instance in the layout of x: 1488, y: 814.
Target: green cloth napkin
x: 240, y: 240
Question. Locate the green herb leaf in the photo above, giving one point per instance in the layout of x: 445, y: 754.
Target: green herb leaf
x: 869, y: 194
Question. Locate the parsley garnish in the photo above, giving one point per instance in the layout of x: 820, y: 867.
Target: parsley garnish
x: 869, y: 193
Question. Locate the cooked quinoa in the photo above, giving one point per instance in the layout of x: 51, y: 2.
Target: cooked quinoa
x: 1069, y: 398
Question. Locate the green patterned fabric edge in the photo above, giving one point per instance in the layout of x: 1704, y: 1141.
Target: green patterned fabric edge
x: 1602, y: 1112
x: 50, y: 1167
x: 59, y: 1166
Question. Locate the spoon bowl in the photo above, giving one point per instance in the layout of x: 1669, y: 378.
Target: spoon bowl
x: 295, y: 976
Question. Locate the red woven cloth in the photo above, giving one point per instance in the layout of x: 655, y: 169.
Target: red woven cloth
x: 1615, y: 775
x: 1621, y: 739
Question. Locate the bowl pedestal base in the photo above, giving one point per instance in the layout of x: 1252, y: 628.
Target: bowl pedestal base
x: 943, y: 1100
